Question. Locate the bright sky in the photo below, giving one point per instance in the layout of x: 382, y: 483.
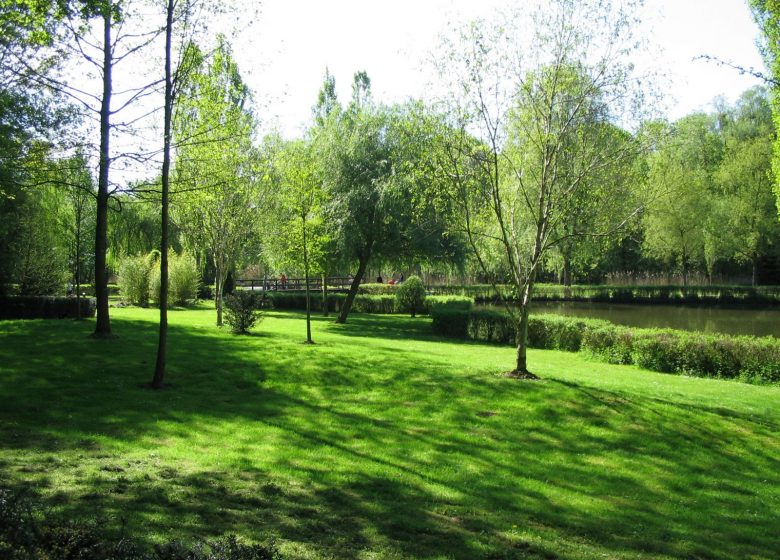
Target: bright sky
x: 283, y: 55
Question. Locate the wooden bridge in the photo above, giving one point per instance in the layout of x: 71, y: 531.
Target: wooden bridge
x: 337, y: 283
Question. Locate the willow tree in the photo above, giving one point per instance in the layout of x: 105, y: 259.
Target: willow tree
x: 377, y: 206
x: 544, y: 107
x: 681, y: 177
x: 214, y: 199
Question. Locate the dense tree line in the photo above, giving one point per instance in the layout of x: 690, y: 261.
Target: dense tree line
x: 539, y: 163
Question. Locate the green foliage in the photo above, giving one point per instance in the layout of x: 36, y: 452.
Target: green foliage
x: 138, y: 278
x: 45, y: 307
x: 364, y: 303
x: 183, y: 280
x: 375, y: 289
x: 219, y: 207
x: 679, y: 295
x: 410, y: 296
x: 40, y: 246
x: 243, y: 310
x: 745, y: 358
x: 767, y: 15
x: 133, y: 278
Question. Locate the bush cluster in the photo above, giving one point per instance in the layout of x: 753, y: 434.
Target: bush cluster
x: 702, y: 355
x: 243, y: 309
x: 133, y: 273
x: 183, y: 280
x: 45, y: 307
x: 410, y: 296
x: 376, y: 289
x: 138, y: 278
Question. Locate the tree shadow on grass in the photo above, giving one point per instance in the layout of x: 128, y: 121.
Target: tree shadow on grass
x: 340, y: 456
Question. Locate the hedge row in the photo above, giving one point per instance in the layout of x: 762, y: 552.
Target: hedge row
x: 745, y: 358
x: 376, y: 289
x: 364, y: 303
x: 45, y: 307
x: 680, y: 295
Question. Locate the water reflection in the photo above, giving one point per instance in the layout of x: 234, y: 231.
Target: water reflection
x: 727, y: 320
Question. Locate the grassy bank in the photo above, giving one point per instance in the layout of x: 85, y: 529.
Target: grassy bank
x: 384, y: 441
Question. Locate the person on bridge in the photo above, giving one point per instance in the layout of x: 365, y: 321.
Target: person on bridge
x: 283, y: 281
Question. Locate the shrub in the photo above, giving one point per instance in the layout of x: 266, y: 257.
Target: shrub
x: 183, y: 280
x: 450, y: 322
x: 463, y: 303
x: 410, y: 296
x: 376, y: 289
x: 133, y: 275
x: 42, y: 277
x: 361, y: 304
x: 658, y: 350
x: 372, y: 304
x: 243, y: 310
x: 609, y: 343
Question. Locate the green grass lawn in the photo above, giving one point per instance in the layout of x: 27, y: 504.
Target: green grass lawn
x: 383, y: 441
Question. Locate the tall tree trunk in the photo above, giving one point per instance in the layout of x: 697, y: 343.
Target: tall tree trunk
x: 103, y: 323
x: 306, y: 279
x: 324, y: 294
x: 79, y: 211
x: 754, y: 276
x: 219, y: 287
x: 342, y: 318
x: 521, y: 337
x: 566, y: 274
x: 521, y: 366
x: 159, y: 368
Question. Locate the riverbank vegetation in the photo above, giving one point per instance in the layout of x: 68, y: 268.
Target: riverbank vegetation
x: 383, y: 439
x: 746, y: 358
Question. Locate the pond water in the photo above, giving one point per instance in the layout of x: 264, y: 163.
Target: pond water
x: 727, y: 320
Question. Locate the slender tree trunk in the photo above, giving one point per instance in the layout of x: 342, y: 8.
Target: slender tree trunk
x: 159, y: 368
x: 342, y: 318
x: 103, y: 323
x: 219, y: 286
x: 566, y: 274
x: 521, y: 339
x: 324, y: 294
x: 306, y: 279
x: 79, y: 210
x: 754, y: 276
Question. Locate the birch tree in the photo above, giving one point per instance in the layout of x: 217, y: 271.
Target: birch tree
x: 543, y: 95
